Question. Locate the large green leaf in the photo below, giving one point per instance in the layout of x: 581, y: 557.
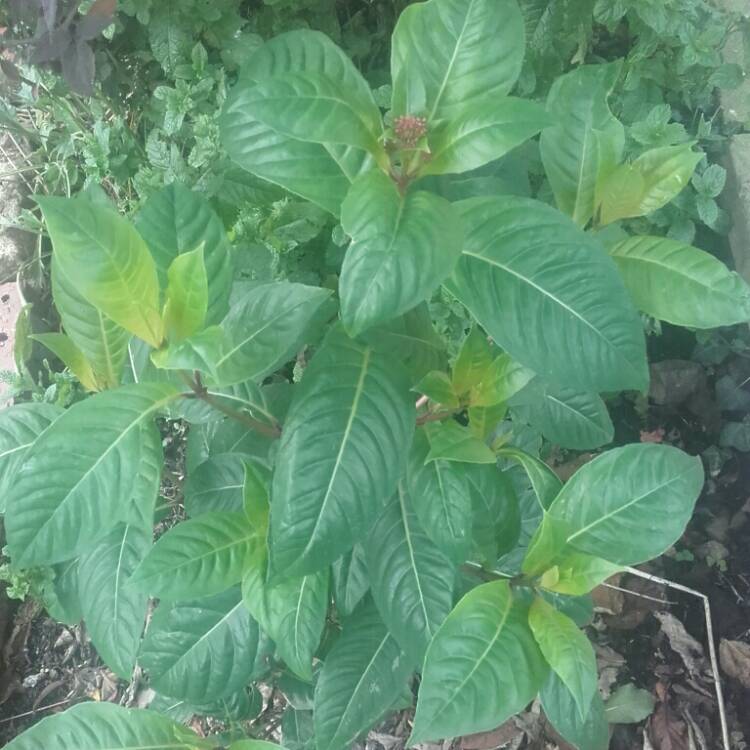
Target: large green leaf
x: 198, y: 557
x: 402, y: 248
x: 20, y: 426
x: 565, y: 416
x: 107, y: 726
x: 439, y: 493
x: 202, y: 650
x: 482, y: 667
x: 292, y: 613
x: 147, y: 481
x: 108, y: 262
x: 176, y: 220
x: 64, y: 499
x: 586, y: 143
x: 548, y: 294
x: 681, y: 284
x: 343, y: 448
x: 567, y: 650
x: 101, y: 340
x: 216, y: 484
x: 113, y: 610
x: 484, y: 132
x: 451, y: 441
x: 362, y: 676
x: 448, y: 55
x: 350, y: 580
x: 411, y: 579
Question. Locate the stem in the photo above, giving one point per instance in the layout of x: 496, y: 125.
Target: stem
x: 437, y: 416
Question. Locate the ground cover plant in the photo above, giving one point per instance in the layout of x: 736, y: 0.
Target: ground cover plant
x: 362, y: 516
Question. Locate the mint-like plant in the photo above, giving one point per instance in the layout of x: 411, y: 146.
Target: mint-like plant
x: 342, y: 529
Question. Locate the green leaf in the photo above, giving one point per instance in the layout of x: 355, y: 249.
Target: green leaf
x: 102, y: 342
x: 482, y: 667
x: 648, y: 184
x: 342, y: 451
x: 586, y: 143
x: 474, y: 361
x: 64, y: 500
x: 567, y: 650
x: 483, y: 133
x: 681, y: 284
x: 411, y: 579
x: 350, y: 580
x: 576, y: 573
x: 484, y: 419
x: 592, y: 733
x: 254, y: 745
x: 108, y: 262
x: 502, y: 380
x: 362, y: 675
x: 186, y: 300
x: 448, y: 55
x: 202, y: 650
x: 71, y: 356
x: 440, y: 495
x: 450, y: 441
x: 20, y: 426
x: 402, y: 248
x: 198, y: 557
x: 147, y: 481
x: 216, y: 485
x: 437, y: 387
x: 266, y: 328
x: 199, y: 352
x: 564, y: 416
x: 98, y: 725
x: 546, y: 292
x: 255, y: 493
x: 292, y: 613
x: 544, y: 481
x: 176, y: 220
x: 628, y: 705
x: 113, y: 610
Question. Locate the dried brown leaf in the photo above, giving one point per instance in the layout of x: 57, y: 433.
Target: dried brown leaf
x: 734, y: 657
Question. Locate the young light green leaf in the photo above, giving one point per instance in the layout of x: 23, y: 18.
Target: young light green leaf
x: 350, y: 580
x: 547, y: 293
x: 198, y: 557
x: 71, y: 356
x: 255, y: 492
x: 202, y: 650
x: 402, y: 248
x: 450, y: 441
x: 447, y: 55
x: 484, y: 419
x: 587, y: 141
x: 341, y: 454
x: 186, y: 300
x: 362, y: 675
x: 681, y: 284
x: 544, y: 481
x: 474, y: 361
x: 567, y: 650
x: 114, y: 611
x: 501, y: 381
x: 63, y: 501
x: 410, y: 578
x: 437, y: 387
x: 216, y: 485
x: 576, y: 573
x: 482, y: 666
x: 628, y: 705
x: 109, y: 263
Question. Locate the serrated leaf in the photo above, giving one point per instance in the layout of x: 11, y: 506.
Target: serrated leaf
x: 198, y: 557
x: 547, y: 293
x: 450, y: 441
x: 71, y: 356
x: 62, y: 500
x: 681, y: 284
x: 216, y: 485
x: 482, y: 666
x: 202, y: 650
x: 186, y: 298
x: 410, y: 578
x: 350, y: 580
x: 347, y: 433
x: 114, y: 611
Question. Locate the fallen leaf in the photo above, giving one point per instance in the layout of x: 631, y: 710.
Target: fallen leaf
x: 495, y: 738
x: 667, y: 731
x: 654, y: 436
x: 734, y: 657
x: 682, y: 643
x: 628, y: 705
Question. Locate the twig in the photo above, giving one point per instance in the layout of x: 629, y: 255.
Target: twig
x: 709, y: 635
x: 35, y: 711
x: 437, y: 416
x: 421, y: 401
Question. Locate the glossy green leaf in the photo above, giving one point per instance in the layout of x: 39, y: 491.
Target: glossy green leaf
x: 473, y: 363
x: 216, y: 485
x: 350, y: 580
x: 113, y: 610
x: 109, y: 263
x: 186, y: 300
x: 146, y: 482
x: 20, y: 426
x: 402, y: 248
x: 547, y: 293
x: 347, y: 434
x: 501, y: 381
x: 450, y: 441
x: 567, y: 650
x: 71, y: 356
x: 62, y: 500
x: 101, y: 725
x: 482, y: 667
x: 484, y: 132
x: 362, y: 675
x: 559, y: 707
x: 448, y: 55
x: 681, y: 284
x: 437, y: 387
x: 198, y: 557
x: 586, y: 143
x: 411, y: 579
x: 628, y: 705
x: 544, y: 481
x: 202, y: 650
